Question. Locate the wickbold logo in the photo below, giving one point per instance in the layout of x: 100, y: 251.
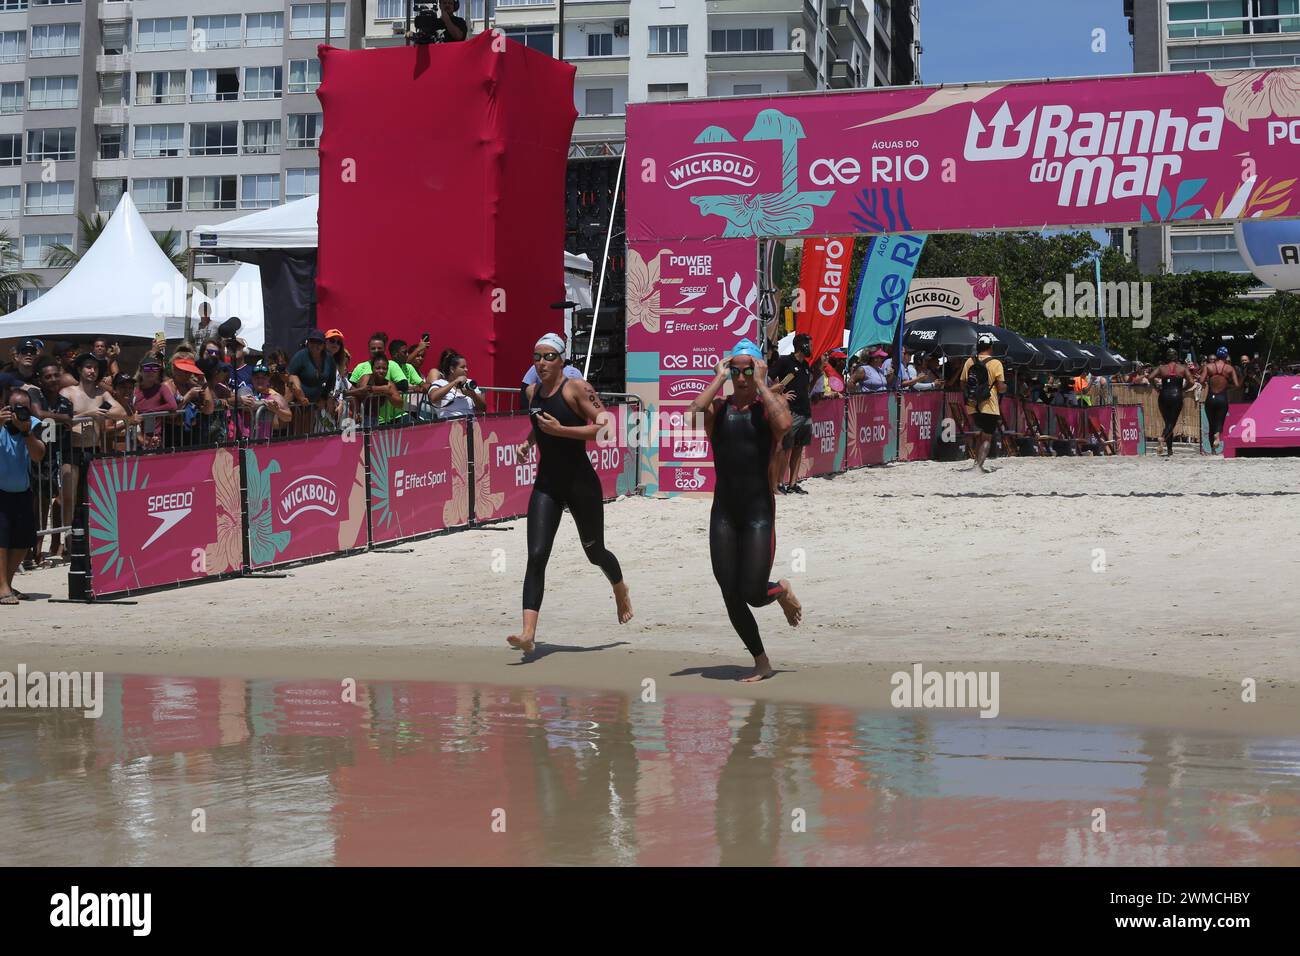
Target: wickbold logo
x: 308, y: 493
x: 169, y: 510
x: 687, y: 387
x: 718, y: 166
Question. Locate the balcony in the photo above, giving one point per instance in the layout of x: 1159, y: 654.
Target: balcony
x: 601, y: 66
x: 609, y: 10
x: 599, y: 127
x: 110, y: 115
x: 767, y: 61
x: 113, y: 63
x: 111, y: 10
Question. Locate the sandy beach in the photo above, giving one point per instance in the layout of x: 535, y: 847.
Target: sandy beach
x: 1126, y: 590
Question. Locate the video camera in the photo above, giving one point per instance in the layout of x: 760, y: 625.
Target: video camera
x: 427, y: 22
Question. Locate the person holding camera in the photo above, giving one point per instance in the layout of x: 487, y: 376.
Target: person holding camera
x: 438, y: 25
x: 454, y: 394
x: 20, y: 448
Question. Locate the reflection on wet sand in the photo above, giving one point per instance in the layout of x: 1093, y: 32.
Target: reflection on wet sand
x: 306, y: 772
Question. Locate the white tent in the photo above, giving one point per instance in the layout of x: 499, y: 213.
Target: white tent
x: 242, y: 297
x: 290, y: 226
x: 124, y: 285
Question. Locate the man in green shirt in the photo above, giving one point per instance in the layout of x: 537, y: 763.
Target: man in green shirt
x: 396, y: 374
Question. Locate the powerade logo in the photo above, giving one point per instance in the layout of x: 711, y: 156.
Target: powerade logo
x: 720, y: 167
x: 168, y: 510
x: 308, y: 493
x: 404, y: 481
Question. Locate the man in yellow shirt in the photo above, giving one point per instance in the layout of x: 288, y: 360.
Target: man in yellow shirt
x: 982, y: 381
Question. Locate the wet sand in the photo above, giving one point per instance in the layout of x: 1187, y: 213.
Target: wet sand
x: 918, y: 562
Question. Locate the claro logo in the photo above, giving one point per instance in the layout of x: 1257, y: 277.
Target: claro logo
x: 308, y: 493
x: 702, y: 167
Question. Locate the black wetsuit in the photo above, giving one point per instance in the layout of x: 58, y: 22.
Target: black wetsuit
x: 742, y: 526
x: 1216, y: 405
x: 1171, y: 404
x: 565, y: 477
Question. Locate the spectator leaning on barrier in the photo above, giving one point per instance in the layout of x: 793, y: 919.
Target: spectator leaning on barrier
x: 49, y: 404
x: 378, y: 346
x: 454, y: 394
x: 982, y: 380
x: 20, y: 447
x: 870, y: 377
x: 277, y: 409
x: 378, y: 396
x: 152, y: 395
x: 194, y: 402
x: 312, y: 369
x: 928, y: 378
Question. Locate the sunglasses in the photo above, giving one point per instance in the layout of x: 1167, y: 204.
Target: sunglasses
x: 747, y: 371
x: 545, y: 356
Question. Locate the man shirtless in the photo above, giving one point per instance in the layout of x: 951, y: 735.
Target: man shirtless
x: 1217, y: 376
x: 91, y: 401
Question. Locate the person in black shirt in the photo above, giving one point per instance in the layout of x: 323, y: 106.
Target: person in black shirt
x: 440, y: 26
x: 799, y: 437
x: 312, y: 369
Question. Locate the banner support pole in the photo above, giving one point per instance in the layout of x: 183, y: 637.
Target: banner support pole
x: 604, y: 263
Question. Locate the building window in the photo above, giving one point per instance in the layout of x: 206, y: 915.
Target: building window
x: 162, y: 86
x: 657, y: 92
x: 13, y: 46
x: 667, y: 40
x: 57, y: 144
x: 56, y: 39
x: 600, y: 44
x: 112, y: 89
x: 304, y: 130
x: 301, y: 183
x: 108, y: 193
x: 214, y: 139
x: 263, y: 82
x: 114, y: 37
x: 304, y: 75
x: 9, y: 201
x: 159, y: 139
x: 1205, y: 252
x: 600, y: 102
x: 214, y: 86
x: 308, y: 20
x: 11, y: 97
x: 392, y: 10
x: 740, y: 41
x: 11, y: 149
x: 112, y: 140
x: 45, y: 199
x: 747, y: 89
x: 160, y: 194
x: 261, y: 137
x: 213, y: 192
x: 36, y: 248
x: 541, y: 39
x: 9, y: 6
x: 265, y: 29
x: 162, y: 33
x: 260, y: 192
x: 53, y: 92
x: 219, y: 32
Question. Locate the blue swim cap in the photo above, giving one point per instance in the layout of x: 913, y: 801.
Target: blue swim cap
x: 746, y: 347
x: 1222, y: 351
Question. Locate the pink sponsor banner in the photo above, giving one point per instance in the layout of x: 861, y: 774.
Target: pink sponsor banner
x: 306, y: 499
x: 1010, y: 409
x: 1100, y: 420
x: 974, y: 298
x: 509, y: 477
x: 1037, y: 417
x: 684, y: 479
x: 1112, y: 150
x: 826, y: 453
x: 1232, y: 427
x: 869, y: 431
x: 1271, y: 421
x: 1063, y: 418
x: 163, y: 519
x: 1130, y: 437
x: 411, y: 479
x: 919, y: 418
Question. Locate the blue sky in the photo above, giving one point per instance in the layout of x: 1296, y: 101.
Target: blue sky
x: 965, y: 40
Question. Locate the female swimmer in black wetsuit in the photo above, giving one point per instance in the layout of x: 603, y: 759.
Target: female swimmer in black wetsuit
x: 1172, y: 377
x: 745, y: 431
x: 1217, y: 376
x: 563, y: 411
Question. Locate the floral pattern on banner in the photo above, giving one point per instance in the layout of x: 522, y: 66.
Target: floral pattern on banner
x: 982, y: 286
x: 1258, y: 94
x: 384, y: 445
x: 227, y: 552
x: 486, y: 503
x: 1255, y: 200
x: 116, y: 476
x: 352, y: 532
x: 643, y: 293
x: 264, y: 542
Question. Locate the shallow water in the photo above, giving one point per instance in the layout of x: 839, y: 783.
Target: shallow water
x: 428, y: 773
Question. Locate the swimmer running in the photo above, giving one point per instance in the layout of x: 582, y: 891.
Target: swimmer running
x: 1217, y: 376
x: 566, y: 414
x: 745, y: 431
x: 1172, y: 377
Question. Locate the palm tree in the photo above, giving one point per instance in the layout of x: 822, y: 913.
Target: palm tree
x: 12, y: 282
x: 91, y: 227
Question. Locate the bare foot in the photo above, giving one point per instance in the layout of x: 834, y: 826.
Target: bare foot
x: 762, y: 671
x: 789, y: 603
x: 623, y: 601
x: 525, y: 643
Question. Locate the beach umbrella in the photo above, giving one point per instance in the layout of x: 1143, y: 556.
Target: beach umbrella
x: 946, y: 336
x: 1018, y: 351
x: 1073, y: 361
x: 1108, y: 363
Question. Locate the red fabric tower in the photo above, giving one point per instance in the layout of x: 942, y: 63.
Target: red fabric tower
x: 442, y: 198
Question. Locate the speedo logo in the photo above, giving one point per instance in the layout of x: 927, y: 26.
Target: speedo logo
x: 308, y: 493
x: 169, y: 510
x: 701, y: 167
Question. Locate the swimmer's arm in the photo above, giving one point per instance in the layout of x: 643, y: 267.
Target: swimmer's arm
x: 589, y: 407
x: 703, y: 404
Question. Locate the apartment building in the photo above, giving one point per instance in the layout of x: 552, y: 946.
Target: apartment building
x: 1180, y: 35
x: 631, y: 51
x: 201, y: 109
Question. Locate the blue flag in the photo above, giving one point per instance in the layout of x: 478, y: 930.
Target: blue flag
x: 882, y: 290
